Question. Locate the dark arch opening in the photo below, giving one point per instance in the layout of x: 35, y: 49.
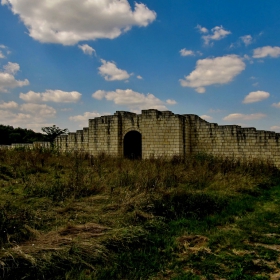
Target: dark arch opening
x: 132, y: 145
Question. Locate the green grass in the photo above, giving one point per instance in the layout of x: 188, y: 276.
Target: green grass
x: 73, y: 216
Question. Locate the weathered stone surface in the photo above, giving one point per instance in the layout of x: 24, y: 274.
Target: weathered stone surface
x: 166, y: 134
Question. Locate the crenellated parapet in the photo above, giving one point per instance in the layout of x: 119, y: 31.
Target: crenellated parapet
x: 156, y: 133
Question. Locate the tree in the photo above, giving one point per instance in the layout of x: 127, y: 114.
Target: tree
x: 53, y: 131
x: 11, y: 135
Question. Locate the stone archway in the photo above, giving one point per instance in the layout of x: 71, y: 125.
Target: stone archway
x: 132, y: 145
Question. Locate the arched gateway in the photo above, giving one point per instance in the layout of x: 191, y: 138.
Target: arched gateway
x: 132, y: 145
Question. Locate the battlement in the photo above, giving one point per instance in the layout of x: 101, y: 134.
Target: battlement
x: 163, y: 133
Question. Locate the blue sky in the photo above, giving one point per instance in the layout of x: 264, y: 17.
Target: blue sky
x: 64, y: 62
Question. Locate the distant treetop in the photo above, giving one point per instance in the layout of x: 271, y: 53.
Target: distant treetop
x: 53, y: 131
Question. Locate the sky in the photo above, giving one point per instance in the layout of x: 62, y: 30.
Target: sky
x: 63, y: 62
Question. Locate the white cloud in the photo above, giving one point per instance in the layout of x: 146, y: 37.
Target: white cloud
x: 32, y: 116
x: 8, y: 105
x: 277, y: 105
x: 218, y: 33
x: 238, y: 116
x: 210, y: 71
x: 202, y: 29
x: 110, y: 72
x: 135, y: 101
x: 275, y: 128
x: 11, y: 68
x: 2, y: 55
x: 171, y: 102
x: 185, y: 52
x: 70, y: 21
x: 200, y: 89
x: 51, y: 96
x: 256, y: 96
x: 85, y: 117
x: 246, y: 39
x: 266, y: 51
x: 7, y: 79
x: 139, y: 77
x: 206, y: 117
x: 42, y: 110
x: 87, y: 49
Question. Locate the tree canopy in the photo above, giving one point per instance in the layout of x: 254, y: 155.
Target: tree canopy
x: 10, y: 135
x: 53, y: 131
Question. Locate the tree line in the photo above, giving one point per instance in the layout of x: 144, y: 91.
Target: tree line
x: 9, y: 134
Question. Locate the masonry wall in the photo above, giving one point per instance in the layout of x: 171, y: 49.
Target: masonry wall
x: 162, y: 134
x: 234, y: 141
x: 167, y: 134
x: 103, y: 136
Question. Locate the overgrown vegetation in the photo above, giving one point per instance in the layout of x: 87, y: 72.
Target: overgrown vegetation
x: 72, y: 216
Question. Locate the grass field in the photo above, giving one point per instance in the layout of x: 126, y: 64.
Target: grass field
x: 71, y: 216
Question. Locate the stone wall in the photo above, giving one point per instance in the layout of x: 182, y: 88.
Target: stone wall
x: 166, y: 134
x: 27, y: 145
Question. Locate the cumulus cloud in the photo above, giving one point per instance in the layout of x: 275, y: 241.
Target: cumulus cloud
x: 200, y: 89
x: 11, y: 68
x: 202, y: 29
x: 42, y: 110
x: 87, y: 49
x: 206, y: 117
x: 8, y: 105
x: 246, y: 39
x: 238, y: 116
x: 7, y: 78
x: 217, y: 33
x: 70, y: 21
x: 277, y: 105
x: 85, y: 117
x: 51, y: 96
x: 139, y: 77
x: 110, y: 72
x: 210, y: 71
x: 5, y: 49
x: 185, y: 52
x: 266, y: 51
x: 171, y: 102
x: 32, y: 116
x: 135, y: 101
x: 255, y: 96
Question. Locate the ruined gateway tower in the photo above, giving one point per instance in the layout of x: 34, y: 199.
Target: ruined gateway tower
x: 156, y: 133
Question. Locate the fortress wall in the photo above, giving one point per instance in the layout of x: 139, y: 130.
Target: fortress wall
x: 166, y: 134
x: 161, y: 134
x: 61, y: 142
x: 72, y: 141
x: 103, y: 135
x: 233, y: 140
x: 80, y: 140
x: 187, y: 125
x: 127, y: 122
x: 85, y: 138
